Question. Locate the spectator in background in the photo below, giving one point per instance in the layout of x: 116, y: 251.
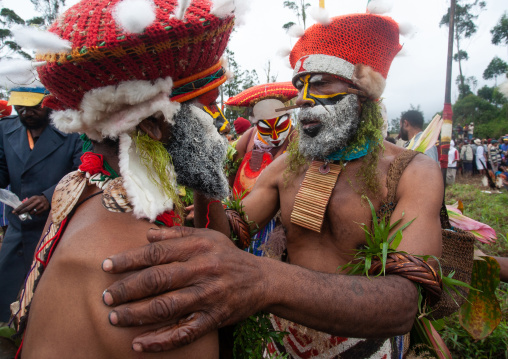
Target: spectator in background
x: 453, y: 157
x: 467, y: 155
x: 470, y: 131
x: 460, y: 132
x: 34, y: 156
x: 481, y: 163
x: 411, y: 125
x: 504, y: 146
x: 5, y: 110
x: 241, y: 125
x: 494, y: 155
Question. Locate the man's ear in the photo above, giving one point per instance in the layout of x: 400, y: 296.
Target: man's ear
x: 152, y: 127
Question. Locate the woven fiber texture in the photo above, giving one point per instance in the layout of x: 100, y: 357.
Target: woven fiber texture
x: 240, y: 228
x: 458, y: 256
x: 414, y: 269
x: 283, y: 91
x: 104, y: 54
x: 367, y: 39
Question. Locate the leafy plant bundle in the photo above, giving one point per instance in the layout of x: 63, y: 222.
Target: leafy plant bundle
x: 253, y: 335
x: 379, y: 244
x: 234, y: 202
x: 230, y: 164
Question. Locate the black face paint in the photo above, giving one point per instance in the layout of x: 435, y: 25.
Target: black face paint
x: 323, y: 100
x: 219, y: 120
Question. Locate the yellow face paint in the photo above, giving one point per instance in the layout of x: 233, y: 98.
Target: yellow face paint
x: 219, y: 119
x: 328, y: 99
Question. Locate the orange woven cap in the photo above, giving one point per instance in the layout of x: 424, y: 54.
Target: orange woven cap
x: 348, y: 42
x: 104, y: 54
x: 283, y: 91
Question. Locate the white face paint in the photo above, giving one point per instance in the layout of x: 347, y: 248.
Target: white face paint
x: 274, y: 131
x: 326, y: 129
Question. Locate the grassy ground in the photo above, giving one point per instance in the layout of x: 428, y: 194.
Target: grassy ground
x: 491, y: 209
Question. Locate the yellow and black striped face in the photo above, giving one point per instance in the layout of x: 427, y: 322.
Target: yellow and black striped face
x: 321, y: 89
x: 219, y: 120
x: 274, y: 131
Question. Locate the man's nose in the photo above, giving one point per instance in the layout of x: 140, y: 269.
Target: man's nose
x: 303, y: 101
x: 275, y: 136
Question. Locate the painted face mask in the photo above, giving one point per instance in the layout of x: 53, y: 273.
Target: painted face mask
x: 274, y: 131
x: 304, y: 82
x: 219, y: 120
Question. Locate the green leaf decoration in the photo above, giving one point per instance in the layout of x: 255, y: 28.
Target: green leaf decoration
x: 481, y: 313
x: 8, y: 332
x: 424, y: 333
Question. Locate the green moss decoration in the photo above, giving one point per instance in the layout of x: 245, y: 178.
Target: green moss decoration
x: 156, y: 159
x: 295, y: 160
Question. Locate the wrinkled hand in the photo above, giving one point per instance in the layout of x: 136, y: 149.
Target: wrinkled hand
x: 199, y: 279
x: 35, y: 205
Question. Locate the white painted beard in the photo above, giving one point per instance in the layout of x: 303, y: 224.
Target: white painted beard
x: 198, y: 152
x: 326, y: 129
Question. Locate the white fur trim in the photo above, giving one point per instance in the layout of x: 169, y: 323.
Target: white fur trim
x: 324, y: 63
x: 368, y: 80
x: 147, y: 199
x: 104, y: 112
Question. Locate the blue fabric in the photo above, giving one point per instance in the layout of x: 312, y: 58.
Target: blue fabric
x: 39, y: 89
x: 260, y: 238
x: 345, y: 154
x: 29, y: 173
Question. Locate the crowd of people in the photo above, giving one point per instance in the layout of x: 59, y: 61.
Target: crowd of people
x: 116, y: 274
x: 484, y: 157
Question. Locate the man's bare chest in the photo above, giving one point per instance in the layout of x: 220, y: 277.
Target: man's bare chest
x: 341, y: 230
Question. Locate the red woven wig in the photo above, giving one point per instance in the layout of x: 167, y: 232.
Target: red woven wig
x: 357, y: 47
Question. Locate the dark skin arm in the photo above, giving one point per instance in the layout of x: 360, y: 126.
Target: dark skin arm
x: 213, y: 284
x: 202, y: 283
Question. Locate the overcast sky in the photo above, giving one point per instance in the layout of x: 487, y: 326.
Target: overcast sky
x: 416, y: 77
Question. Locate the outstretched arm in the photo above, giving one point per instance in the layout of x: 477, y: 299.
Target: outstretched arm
x: 198, y: 276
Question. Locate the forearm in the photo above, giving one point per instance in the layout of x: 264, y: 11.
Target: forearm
x: 503, y: 264
x: 348, y: 306
x: 210, y: 214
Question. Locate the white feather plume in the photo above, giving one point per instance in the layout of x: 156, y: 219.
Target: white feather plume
x: 402, y: 53
x: 320, y: 15
x: 35, y: 39
x: 283, y: 51
x: 503, y: 88
x: 407, y: 29
x: 134, y: 16
x: 14, y: 73
x: 379, y: 6
x: 181, y: 9
x: 225, y: 8
x: 296, y: 31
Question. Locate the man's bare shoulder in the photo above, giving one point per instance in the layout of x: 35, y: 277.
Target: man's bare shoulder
x: 72, y: 286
